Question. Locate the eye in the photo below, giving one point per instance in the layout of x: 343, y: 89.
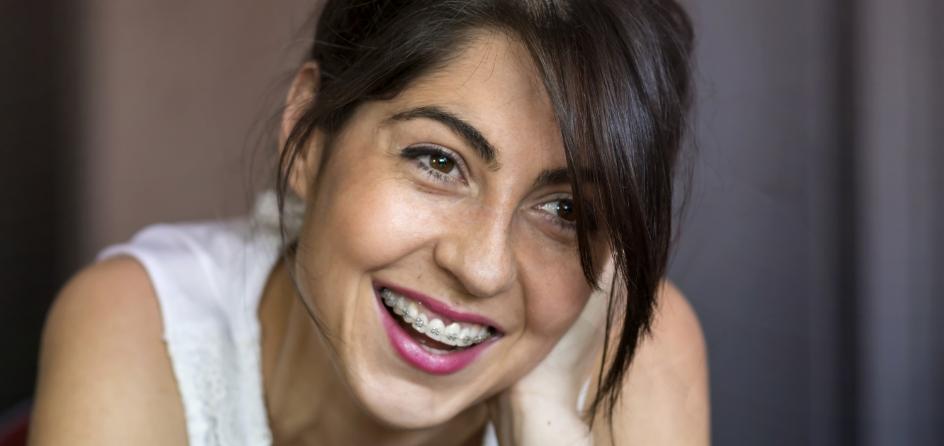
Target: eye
x: 562, y: 211
x: 437, y: 162
x: 442, y: 163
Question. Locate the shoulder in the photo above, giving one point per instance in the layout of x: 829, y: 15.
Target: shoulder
x: 676, y: 333
x: 105, y: 377
x: 665, y: 398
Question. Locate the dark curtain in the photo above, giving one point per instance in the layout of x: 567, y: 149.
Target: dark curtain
x: 812, y: 247
x: 37, y: 157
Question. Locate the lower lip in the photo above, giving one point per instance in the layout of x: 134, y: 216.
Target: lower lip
x: 416, y: 355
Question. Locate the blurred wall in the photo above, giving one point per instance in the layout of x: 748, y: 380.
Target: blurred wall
x: 178, y: 97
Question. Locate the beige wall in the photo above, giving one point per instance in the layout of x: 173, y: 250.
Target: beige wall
x: 176, y: 95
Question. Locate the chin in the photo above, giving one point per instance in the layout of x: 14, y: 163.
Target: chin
x: 403, y: 404
x: 397, y: 379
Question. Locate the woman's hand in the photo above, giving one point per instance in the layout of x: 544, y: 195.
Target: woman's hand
x: 541, y: 408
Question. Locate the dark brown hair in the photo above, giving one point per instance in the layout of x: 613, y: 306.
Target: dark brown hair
x: 618, y: 75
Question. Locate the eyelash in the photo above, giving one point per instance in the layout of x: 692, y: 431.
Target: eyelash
x: 416, y: 153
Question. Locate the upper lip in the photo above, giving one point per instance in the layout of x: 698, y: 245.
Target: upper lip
x: 440, y: 307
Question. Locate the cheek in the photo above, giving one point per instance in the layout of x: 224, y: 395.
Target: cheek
x: 374, y: 222
x: 365, y: 218
x: 556, y: 293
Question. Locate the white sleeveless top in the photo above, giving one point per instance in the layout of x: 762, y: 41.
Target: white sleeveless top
x: 209, y: 279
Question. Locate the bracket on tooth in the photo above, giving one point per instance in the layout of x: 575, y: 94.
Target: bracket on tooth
x: 396, y: 305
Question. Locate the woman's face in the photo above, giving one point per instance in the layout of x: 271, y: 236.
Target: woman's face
x: 451, y: 201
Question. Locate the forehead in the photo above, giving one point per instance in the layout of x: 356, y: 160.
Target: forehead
x: 493, y: 84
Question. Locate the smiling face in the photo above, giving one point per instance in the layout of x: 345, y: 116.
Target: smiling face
x: 452, y: 202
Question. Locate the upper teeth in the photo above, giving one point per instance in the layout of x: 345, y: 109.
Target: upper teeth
x: 457, y: 334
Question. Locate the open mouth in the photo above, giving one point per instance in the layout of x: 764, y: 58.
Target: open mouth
x: 436, y: 332
x: 429, y: 335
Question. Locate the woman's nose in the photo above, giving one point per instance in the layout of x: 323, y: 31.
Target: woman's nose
x: 477, y: 251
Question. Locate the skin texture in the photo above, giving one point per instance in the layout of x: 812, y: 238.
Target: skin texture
x: 481, y: 238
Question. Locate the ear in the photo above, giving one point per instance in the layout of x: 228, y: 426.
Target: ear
x: 300, y: 97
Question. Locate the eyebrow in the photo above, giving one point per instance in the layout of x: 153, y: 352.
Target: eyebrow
x: 552, y: 177
x: 561, y: 175
x: 461, y: 127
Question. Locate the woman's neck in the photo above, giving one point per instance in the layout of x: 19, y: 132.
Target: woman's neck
x: 307, y: 398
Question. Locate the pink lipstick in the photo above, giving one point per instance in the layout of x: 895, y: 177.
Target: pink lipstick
x: 433, y: 361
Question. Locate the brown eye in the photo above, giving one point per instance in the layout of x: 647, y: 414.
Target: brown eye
x: 565, y: 210
x: 442, y: 163
x: 436, y: 163
x: 561, y: 213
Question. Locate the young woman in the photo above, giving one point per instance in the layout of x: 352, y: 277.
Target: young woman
x: 472, y: 230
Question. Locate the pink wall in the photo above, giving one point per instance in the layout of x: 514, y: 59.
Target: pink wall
x: 177, y: 101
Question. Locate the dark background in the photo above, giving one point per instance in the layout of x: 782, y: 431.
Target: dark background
x: 812, y: 248
x: 37, y: 147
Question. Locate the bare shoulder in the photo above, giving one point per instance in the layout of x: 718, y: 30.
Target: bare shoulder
x: 105, y: 377
x: 665, y: 398
x: 676, y: 332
